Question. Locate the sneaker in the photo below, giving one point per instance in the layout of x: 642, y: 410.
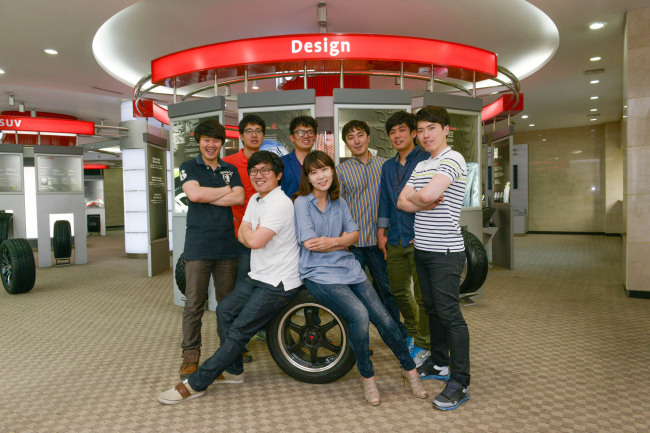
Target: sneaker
x: 226, y: 377
x: 428, y: 370
x: 410, y: 343
x: 451, y: 397
x: 190, y: 364
x: 178, y: 394
x: 261, y: 336
x: 419, y: 355
x: 246, y: 357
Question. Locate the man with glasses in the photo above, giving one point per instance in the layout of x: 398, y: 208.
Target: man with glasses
x: 251, y: 134
x: 212, y: 186
x: 268, y: 229
x: 303, y: 135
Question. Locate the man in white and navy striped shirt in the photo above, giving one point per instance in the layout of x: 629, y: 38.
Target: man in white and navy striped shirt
x: 435, y: 192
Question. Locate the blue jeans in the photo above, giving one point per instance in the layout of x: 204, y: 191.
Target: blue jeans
x: 359, y: 304
x: 239, y: 316
x: 243, y: 261
x: 439, y: 275
x: 374, y: 259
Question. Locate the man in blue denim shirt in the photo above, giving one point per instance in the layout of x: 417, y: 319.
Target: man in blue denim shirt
x: 395, y: 232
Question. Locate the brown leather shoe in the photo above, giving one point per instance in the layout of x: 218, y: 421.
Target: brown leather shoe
x: 190, y: 363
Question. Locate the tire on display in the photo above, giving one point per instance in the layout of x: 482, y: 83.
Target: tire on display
x: 6, y: 226
x: 476, y: 264
x: 310, y: 352
x: 179, y: 274
x: 17, y: 266
x: 62, y: 241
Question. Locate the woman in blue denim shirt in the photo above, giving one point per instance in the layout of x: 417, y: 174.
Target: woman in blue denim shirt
x: 325, y: 228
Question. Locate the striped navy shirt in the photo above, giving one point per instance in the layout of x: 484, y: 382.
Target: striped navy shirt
x: 359, y: 184
x: 437, y: 230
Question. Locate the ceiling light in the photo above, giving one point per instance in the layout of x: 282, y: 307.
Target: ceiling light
x: 256, y: 85
x: 593, y: 118
x: 525, y: 116
x: 21, y: 106
x: 577, y: 151
x: 595, y: 59
x: 51, y: 51
x: 32, y: 112
x: 594, y: 97
x: 597, y: 25
x: 594, y: 109
x: 532, y: 124
x: 2, y: 71
x: 227, y: 91
x: 594, y: 82
x: 11, y: 100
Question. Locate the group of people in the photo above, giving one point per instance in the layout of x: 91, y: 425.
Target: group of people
x: 302, y: 221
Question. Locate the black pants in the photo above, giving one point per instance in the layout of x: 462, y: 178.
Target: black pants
x: 439, y: 275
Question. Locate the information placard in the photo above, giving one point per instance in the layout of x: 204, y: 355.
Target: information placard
x: 59, y: 173
x: 11, y: 173
x: 156, y: 192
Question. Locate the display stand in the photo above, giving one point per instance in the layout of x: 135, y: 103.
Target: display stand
x: 59, y: 190
x: 183, y: 118
x: 94, y: 197
x: 156, y: 193
x: 12, y: 192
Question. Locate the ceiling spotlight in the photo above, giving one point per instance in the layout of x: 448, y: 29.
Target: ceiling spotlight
x: 595, y: 59
x: 32, y: 112
x: 321, y: 16
x: 11, y: 100
x: 256, y: 85
x: 51, y: 51
x: 594, y: 82
x: 2, y: 71
x: 21, y: 106
x: 227, y: 91
x: 593, y: 119
x: 597, y: 25
x: 525, y: 116
x: 594, y: 109
x: 594, y: 97
x: 532, y: 124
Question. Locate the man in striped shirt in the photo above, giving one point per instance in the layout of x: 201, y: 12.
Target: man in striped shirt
x: 435, y: 192
x: 359, y: 178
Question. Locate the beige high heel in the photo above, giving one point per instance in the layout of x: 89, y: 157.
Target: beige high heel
x: 370, y: 391
x: 414, y: 380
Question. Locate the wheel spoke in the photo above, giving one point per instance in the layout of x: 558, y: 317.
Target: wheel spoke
x: 309, y: 315
x: 327, y: 344
x: 313, y: 354
x: 329, y: 325
x: 295, y: 327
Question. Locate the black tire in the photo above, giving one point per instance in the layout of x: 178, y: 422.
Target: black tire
x: 17, y: 266
x: 306, y: 351
x: 62, y: 241
x: 6, y: 226
x: 179, y: 274
x: 476, y: 264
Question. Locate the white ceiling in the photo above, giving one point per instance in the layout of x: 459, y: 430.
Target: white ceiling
x: 72, y: 82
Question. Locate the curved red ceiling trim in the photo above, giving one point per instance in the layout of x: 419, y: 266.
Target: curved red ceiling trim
x: 324, y: 46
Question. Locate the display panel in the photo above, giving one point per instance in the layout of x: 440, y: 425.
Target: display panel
x: 464, y: 138
x: 376, y: 118
x: 94, y: 193
x: 156, y: 193
x: 59, y: 173
x: 501, y: 173
x: 11, y: 172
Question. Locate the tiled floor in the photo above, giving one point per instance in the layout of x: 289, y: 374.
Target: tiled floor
x: 555, y: 346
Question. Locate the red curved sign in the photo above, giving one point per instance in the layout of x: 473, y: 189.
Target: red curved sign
x: 324, y: 46
x: 35, y: 124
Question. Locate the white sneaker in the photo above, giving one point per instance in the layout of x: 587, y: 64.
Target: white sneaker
x: 226, y: 377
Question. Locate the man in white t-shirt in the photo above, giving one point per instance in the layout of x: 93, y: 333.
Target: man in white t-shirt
x: 268, y: 230
x: 435, y: 193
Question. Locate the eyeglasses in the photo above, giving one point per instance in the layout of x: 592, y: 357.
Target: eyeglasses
x: 263, y: 171
x: 302, y: 132
x: 253, y: 131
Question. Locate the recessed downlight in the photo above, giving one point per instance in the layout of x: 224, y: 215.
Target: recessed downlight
x: 595, y: 59
x: 594, y: 97
x: 2, y: 71
x: 594, y: 109
x: 594, y: 82
x: 593, y: 119
x: 532, y: 124
x: 524, y: 116
x: 50, y: 51
x: 597, y: 25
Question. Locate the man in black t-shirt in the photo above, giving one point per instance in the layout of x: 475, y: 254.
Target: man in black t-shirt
x: 211, y: 186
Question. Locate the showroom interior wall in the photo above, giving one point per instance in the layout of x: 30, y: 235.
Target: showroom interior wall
x: 575, y: 178
x: 114, y: 197
x: 637, y: 181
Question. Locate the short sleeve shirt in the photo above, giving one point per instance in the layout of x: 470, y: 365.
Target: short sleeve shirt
x: 240, y: 161
x: 210, y: 233
x: 437, y: 229
x: 277, y: 261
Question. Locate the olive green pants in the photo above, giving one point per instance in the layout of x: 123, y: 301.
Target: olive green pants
x: 401, y: 271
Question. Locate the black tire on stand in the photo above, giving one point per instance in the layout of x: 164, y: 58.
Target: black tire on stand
x: 17, y: 266
x: 310, y: 352
x: 179, y: 274
x: 62, y: 241
x: 476, y: 264
x: 6, y: 226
